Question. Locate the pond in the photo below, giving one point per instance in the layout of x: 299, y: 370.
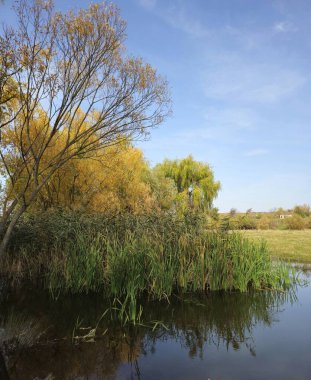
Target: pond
x: 262, y: 335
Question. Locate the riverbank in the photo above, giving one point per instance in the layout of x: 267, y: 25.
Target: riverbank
x: 125, y: 260
x: 127, y: 256
x: 293, y: 246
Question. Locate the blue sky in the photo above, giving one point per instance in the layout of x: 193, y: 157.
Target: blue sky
x: 240, y: 79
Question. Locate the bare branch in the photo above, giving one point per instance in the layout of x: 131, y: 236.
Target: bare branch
x: 68, y: 90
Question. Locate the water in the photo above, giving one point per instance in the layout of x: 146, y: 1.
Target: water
x: 219, y: 337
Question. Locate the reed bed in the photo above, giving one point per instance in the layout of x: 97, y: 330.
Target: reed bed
x: 127, y: 256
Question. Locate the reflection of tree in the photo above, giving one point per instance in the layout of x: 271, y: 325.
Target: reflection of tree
x: 56, y: 353
x: 222, y: 319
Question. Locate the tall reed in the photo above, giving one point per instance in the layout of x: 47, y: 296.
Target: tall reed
x: 128, y: 256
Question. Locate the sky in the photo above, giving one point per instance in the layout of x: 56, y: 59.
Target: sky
x: 240, y: 81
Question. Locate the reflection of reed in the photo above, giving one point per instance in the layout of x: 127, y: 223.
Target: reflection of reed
x: 220, y: 319
x: 56, y: 353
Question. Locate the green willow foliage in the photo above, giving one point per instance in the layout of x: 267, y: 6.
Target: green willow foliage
x: 188, y: 172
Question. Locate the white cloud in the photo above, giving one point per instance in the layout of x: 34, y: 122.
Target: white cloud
x: 239, y: 118
x: 284, y: 27
x: 148, y: 4
x: 246, y: 39
x: 234, y: 80
x: 182, y: 21
x: 221, y: 124
x: 256, y: 152
x: 177, y: 15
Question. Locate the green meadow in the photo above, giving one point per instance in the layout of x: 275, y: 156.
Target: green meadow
x: 294, y: 246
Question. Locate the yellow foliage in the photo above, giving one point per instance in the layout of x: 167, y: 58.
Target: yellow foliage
x: 111, y: 182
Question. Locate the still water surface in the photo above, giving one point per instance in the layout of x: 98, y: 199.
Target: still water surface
x: 219, y: 337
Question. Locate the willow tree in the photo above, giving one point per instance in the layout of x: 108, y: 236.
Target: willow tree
x: 194, y: 181
x: 66, y: 77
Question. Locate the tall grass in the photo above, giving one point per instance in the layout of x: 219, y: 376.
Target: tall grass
x: 127, y: 257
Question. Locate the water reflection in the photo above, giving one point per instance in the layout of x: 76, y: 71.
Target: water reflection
x: 219, y: 319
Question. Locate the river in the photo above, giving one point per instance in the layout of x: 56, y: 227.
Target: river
x: 221, y: 336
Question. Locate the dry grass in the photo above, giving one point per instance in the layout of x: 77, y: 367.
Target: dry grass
x: 289, y: 245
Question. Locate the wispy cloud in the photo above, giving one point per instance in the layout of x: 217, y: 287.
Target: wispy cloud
x: 148, y: 4
x: 284, y: 27
x: 180, y: 19
x: 236, y: 80
x: 225, y: 125
x: 233, y: 118
x: 256, y: 152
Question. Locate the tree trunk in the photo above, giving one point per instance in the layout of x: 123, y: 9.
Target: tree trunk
x: 8, y: 232
x: 18, y: 213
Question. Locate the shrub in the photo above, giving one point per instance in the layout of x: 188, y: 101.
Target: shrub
x: 246, y: 222
x: 308, y: 222
x: 268, y: 222
x: 263, y: 223
x: 296, y: 222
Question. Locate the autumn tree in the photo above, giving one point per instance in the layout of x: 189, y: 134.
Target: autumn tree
x: 110, y: 183
x: 192, y: 179
x: 68, y: 89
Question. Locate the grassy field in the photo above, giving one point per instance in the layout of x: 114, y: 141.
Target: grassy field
x: 288, y: 245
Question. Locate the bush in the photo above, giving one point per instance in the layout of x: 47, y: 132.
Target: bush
x: 296, y: 222
x: 268, y: 222
x: 308, y: 222
x: 263, y: 223
x: 246, y: 222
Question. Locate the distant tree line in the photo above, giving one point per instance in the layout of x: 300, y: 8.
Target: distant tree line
x: 298, y: 218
